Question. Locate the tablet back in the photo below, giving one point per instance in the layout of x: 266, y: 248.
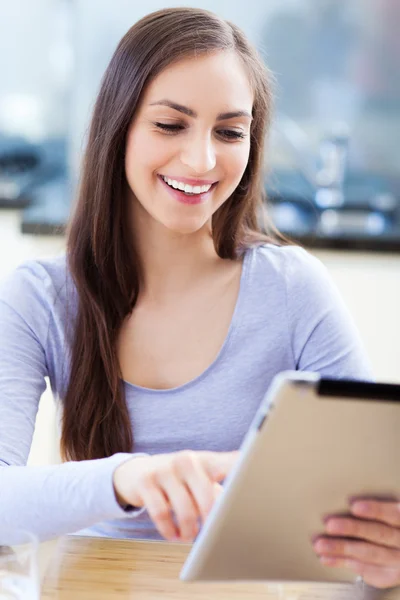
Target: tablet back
x: 313, y: 444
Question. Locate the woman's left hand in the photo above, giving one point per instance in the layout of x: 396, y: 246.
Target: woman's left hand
x: 374, y: 551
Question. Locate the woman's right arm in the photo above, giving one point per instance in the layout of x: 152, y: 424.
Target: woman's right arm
x: 54, y: 500
x: 47, y: 500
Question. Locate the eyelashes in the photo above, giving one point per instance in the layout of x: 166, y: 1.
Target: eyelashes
x: 169, y: 128
x: 227, y: 134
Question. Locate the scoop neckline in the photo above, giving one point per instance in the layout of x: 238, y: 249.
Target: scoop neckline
x: 224, y: 348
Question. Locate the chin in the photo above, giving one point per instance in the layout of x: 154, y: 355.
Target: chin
x: 184, y: 227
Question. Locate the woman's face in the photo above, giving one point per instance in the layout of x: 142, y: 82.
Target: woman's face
x: 192, y: 127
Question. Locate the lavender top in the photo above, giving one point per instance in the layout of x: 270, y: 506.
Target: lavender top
x: 288, y: 315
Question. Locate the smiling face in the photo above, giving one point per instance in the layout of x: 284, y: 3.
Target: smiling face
x: 189, y: 142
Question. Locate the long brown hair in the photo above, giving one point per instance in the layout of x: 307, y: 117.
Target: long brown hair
x: 101, y: 257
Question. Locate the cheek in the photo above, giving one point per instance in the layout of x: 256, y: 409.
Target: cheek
x: 237, y: 163
x: 145, y: 154
x: 137, y: 154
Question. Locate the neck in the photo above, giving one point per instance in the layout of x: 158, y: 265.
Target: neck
x: 172, y: 262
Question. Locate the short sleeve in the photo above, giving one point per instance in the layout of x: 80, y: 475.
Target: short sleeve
x: 324, y: 338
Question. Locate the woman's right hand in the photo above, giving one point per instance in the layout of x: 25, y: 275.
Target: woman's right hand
x: 184, y: 484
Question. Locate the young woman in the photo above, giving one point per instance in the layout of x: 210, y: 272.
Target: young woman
x: 164, y: 325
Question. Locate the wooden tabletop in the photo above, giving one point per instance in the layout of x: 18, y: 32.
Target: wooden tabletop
x: 99, y: 568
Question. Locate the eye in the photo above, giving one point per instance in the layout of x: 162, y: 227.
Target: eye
x: 169, y: 128
x: 227, y: 134
x: 231, y: 134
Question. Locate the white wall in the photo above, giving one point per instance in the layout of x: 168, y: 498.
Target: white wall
x: 370, y: 285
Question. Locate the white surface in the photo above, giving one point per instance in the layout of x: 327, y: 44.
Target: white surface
x: 368, y: 282
x: 370, y: 286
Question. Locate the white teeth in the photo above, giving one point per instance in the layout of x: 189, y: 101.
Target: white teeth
x: 185, y: 187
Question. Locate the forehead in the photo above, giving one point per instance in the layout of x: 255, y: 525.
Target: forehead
x: 210, y: 81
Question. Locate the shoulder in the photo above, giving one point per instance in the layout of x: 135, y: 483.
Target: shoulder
x: 322, y: 333
x: 297, y: 277
x: 36, y: 291
x: 35, y: 280
x: 293, y: 265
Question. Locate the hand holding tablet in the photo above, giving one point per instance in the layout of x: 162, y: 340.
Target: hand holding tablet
x: 314, y: 447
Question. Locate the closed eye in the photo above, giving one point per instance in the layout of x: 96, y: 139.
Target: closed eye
x: 231, y: 134
x: 228, y: 134
x: 169, y: 128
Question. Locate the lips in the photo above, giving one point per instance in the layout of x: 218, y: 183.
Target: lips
x: 184, y: 198
x: 188, y: 180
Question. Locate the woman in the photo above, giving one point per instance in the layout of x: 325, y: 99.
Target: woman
x: 162, y: 330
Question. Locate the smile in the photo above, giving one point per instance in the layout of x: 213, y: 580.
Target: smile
x: 185, y: 187
x: 183, y: 192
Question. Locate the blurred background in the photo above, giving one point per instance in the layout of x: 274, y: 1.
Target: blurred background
x: 333, y: 166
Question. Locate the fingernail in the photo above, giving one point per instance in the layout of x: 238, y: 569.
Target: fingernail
x: 334, y: 527
x: 359, y: 507
x: 325, y: 560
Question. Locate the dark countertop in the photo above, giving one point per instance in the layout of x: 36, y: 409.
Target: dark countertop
x: 48, y: 217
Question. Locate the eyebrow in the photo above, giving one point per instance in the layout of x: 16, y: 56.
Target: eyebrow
x: 191, y: 113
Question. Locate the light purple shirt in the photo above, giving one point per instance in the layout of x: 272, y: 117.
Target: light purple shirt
x: 288, y: 315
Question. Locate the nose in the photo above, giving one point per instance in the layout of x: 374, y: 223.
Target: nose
x: 199, y: 154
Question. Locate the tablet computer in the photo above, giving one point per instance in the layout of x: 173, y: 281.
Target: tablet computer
x: 313, y: 444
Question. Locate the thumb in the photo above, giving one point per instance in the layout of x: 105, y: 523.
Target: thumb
x: 219, y: 464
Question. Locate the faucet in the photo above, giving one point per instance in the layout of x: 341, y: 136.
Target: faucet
x: 332, y: 165
x: 327, y: 172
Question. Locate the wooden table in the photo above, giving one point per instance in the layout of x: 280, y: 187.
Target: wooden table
x: 99, y: 568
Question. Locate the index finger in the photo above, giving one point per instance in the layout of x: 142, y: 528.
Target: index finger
x: 218, y: 464
x: 377, y: 510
